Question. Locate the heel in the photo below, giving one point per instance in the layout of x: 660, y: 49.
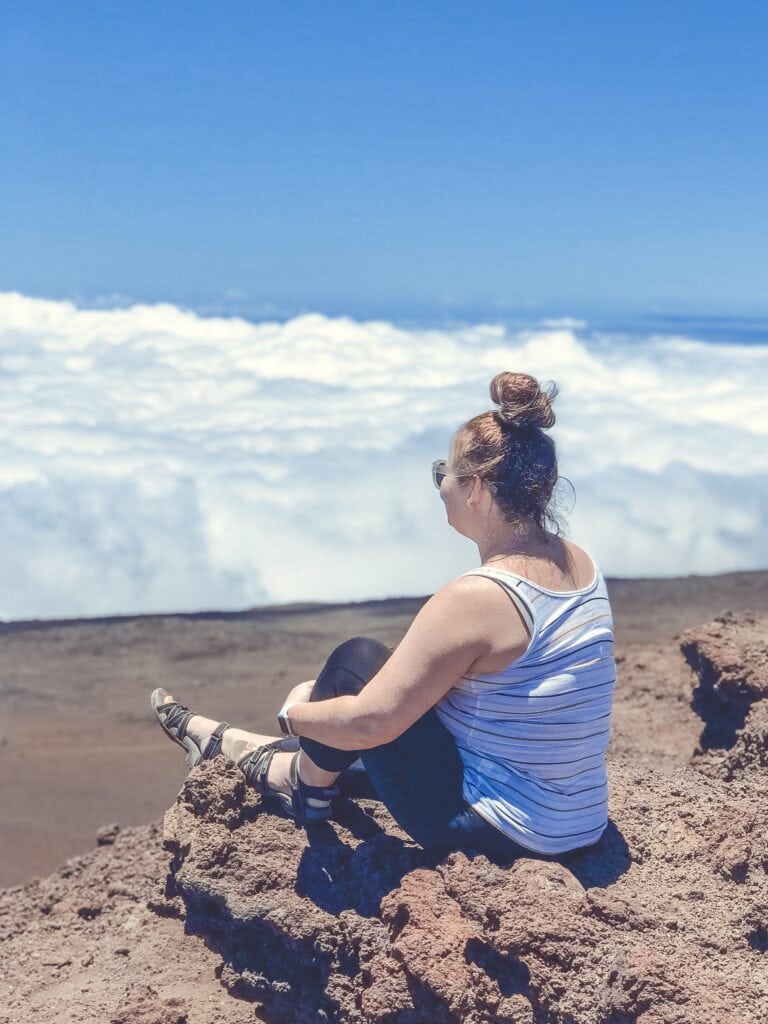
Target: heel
x: 255, y: 767
x: 302, y: 792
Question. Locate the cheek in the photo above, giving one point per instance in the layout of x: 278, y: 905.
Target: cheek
x: 450, y: 495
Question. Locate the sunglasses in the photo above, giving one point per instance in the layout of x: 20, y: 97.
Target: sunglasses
x: 440, y: 472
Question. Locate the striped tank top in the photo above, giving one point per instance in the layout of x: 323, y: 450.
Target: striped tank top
x: 532, y: 737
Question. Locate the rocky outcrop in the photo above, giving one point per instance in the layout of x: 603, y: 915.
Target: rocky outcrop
x: 664, y: 920
x: 99, y: 942
x: 730, y: 659
x: 232, y: 914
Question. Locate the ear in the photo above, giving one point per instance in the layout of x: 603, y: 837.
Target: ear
x: 474, y: 495
x: 480, y: 492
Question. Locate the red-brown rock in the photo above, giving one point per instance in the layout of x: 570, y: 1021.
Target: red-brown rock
x: 237, y: 915
x: 346, y: 922
x: 730, y: 658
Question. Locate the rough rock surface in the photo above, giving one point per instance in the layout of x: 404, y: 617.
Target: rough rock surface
x: 664, y: 920
x: 233, y: 914
x: 99, y: 942
x: 730, y: 658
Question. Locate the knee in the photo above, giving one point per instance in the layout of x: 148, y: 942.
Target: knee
x: 361, y: 649
x: 350, y: 666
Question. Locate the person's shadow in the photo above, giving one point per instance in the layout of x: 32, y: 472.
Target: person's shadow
x: 336, y: 876
x: 291, y: 983
x: 600, y: 865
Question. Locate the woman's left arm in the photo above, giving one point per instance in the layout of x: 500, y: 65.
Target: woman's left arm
x: 449, y: 633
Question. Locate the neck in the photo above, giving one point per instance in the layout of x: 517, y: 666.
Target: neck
x: 521, y: 540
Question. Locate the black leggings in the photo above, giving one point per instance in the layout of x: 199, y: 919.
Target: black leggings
x: 418, y: 776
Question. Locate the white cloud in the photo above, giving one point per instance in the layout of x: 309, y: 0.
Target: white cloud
x: 153, y: 459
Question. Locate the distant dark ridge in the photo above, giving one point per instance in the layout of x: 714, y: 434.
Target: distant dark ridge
x: 385, y: 605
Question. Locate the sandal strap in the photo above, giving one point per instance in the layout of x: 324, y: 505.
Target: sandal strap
x: 175, y: 717
x: 255, y: 766
x: 302, y: 793
x: 213, y: 746
x: 306, y: 791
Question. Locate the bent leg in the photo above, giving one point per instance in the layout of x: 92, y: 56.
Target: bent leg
x: 418, y: 777
x: 350, y: 666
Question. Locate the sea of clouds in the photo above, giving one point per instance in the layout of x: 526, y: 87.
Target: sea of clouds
x: 156, y: 460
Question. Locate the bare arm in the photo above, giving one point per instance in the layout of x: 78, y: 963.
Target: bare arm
x: 301, y: 691
x: 450, y: 632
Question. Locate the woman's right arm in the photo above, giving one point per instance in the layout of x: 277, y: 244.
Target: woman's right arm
x: 449, y: 633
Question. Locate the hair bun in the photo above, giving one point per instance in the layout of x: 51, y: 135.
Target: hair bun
x: 523, y: 402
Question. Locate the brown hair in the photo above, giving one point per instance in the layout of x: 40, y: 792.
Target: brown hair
x: 507, y: 447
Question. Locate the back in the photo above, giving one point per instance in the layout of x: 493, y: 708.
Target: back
x: 533, y: 736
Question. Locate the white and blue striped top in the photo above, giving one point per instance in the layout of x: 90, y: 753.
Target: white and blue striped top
x: 533, y: 736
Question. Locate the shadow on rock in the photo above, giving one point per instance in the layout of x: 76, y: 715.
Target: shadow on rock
x: 602, y: 864
x: 730, y: 658
x: 349, y: 921
x: 337, y: 875
x: 288, y: 979
x: 723, y: 715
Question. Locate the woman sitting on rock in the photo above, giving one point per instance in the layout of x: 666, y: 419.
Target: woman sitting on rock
x: 486, y: 728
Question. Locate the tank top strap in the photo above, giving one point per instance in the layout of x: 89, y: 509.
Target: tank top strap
x: 510, y: 585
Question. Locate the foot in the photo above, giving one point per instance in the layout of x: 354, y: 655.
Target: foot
x: 199, y: 728
x: 175, y: 719
x: 236, y: 743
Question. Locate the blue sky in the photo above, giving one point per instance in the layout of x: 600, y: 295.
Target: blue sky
x: 387, y: 158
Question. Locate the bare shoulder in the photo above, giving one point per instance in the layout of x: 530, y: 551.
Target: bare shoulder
x: 455, y: 616
x: 583, y: 567
x: 457, y: 599
x: 498, y: 620
x: 468, y: 590
x: 478, y: 607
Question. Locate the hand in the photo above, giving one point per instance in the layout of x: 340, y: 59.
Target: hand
x: 300, y: 693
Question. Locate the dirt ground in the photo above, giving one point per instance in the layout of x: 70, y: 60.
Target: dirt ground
x: 79, y: 748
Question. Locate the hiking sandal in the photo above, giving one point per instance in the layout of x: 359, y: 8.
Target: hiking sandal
x: 174, y: 719
x: 255, y: 767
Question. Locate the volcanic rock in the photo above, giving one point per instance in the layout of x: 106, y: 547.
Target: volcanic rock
x: 100, y: 941
x: 348, y: 921
x: 730, y: 658
x: 233, y: 914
